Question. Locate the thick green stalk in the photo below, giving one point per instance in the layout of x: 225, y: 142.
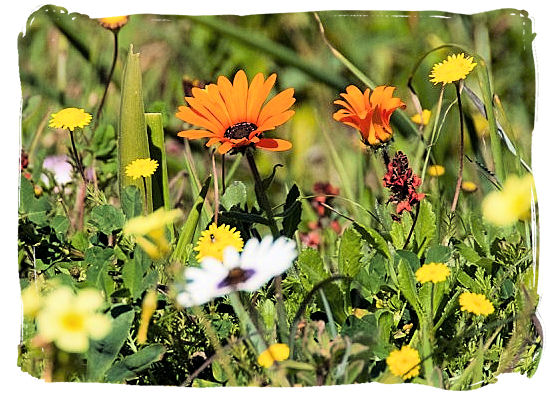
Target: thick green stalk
x: 157, y: 151
x: 248, y: 328
x: 132, y: 132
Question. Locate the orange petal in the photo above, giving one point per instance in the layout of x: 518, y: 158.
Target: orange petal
x: 188, y: 115
x: 212, y: 95
x: 276, y: 105
x: 202, y: 107
x: 240, y: 95
x: 258, y: 98
x: 274, y: 121
x: 274, y: 144
x: 252, y: 104
x: 225, y: 147
x: 226, y: 92
x: 195, y: 134
x: 379, y: 93
x: 355, y: 97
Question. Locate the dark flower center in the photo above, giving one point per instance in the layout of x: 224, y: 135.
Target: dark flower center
x: 236, y: 276
x: 240, y: 130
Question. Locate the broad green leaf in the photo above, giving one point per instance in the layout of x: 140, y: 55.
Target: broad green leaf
x: 60, y: 224
x: 310, y: 264
x: 424, y: 231
x: 134, y: 273
x: 130, y: 366
x: 107, y: 218
x: 374, y: 239
x: 35, y: 209
x: 411, y: 258
x: 400, y: 231
x: 407, y: 285
x: 467, y: 253
x: 102, y: 353
x: 465, y: 280
x: 80, y: 241
x: 350, y: 253
x: 438, y: 254
x: 235, y: 195
x: 99, y: 261
x: 132, y: 203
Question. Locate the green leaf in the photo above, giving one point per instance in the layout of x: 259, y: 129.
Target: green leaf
x: 130, y: 366
x: 310, y: 264
x: 400, y: 231
x: 425, y: 229
x: 107, y: 218
x: 411, y: 258
x: 293, y: 212
x: 438, y: 254
x: 468, y: 253
x: 132, y: 204
x: 349, y: 255
x: 34, y: 208
x: 478, y: 228
x: 188, y: 231
x: 103, y: 353
x: 134, y: 273
x: 369, y: 283
x: 407, y: 285
x: 80, y: 241
x: 159, y: 179
x: 374, y: 239
x: 465, y: 280
x: 60, y: 224
x: 99, y: 260
x: 235, y: 195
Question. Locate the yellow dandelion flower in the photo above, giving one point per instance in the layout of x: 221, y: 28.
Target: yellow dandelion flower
x: 149, y: 231
x: 469, y: 186
x: 477, y: 304
x: 432, y: 272
x: 436, y: 170
x: 404, y: 363
x: 453, y: 69
x: 113, y: 22
x: 424, y: 119
x: 275, y: 352
x: 70, y: 320
x: 70, y: 118
x: 512, y: 203
x: 214, y: 240
x: 31, y: 301
x: 141, y: 168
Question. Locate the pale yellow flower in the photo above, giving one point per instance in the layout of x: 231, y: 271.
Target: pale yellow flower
x: 424, y: 119
x: 275, y: 352
x: 512, y: 203
x: 70, y: 320
x: 469, y: 186
x: 436, y: 170
x: 32, y: 302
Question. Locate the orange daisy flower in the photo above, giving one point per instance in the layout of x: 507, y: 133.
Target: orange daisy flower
x: 369, y: 113
x: 235, y: 116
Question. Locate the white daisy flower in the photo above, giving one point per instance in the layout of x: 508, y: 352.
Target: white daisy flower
x: 246, y: 271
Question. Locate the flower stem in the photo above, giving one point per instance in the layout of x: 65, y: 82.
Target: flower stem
x: 111, y: 72
x: 247, y: 325
x: 223, y: 174
x: 77, y: 157
x: 460, y: 151
x: 263, y: 201
x: 145, y: 196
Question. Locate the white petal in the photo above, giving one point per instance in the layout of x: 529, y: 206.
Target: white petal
x: 231, y: 257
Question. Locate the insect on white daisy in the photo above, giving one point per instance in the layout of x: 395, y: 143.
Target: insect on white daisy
x: 245, y: 271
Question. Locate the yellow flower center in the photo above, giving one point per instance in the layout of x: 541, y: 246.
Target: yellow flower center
x: 72, y: 321
x: 214, y: 240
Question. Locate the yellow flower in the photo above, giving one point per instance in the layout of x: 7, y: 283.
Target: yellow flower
x: 148, y: 307
x: 359, y: 313
x: 424, y: 119
x: 31, y: 300
x: 71, y: 320
x: 453, y: 69
x: 436, y: 170
x: 141, y: 168
x: 469, y: 186
x: 512, y: 203
x: 149, y: 231
x: 432, y: 272
x: 70, y: 118
x: 275, y: 352
x: 214, y: 240
x: 404, y: 363
x: 477, y: 304
x: 113, y: 22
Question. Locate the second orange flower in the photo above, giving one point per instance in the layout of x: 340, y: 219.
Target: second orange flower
x: 235, y: 114
x: 369, y: 113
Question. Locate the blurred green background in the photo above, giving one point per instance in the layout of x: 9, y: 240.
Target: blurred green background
x: 64, y: 60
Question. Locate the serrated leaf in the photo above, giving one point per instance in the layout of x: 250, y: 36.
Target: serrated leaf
x: 310, y: 264
x: 400, y: 231
x: 102, y: 353
x: 465, y: 280
x: 107, y: 218
x: 235, y: 194
x: 425, y: 229
x: 130, y: 366
x: 411, y: 258
x: 350, y: 253
x: 99, y: 260
x: 478, y: 228
x: 468, y: 253
x: 407, y: 285
x: 132, y: 203
x: 374, y: 239
x: 438, y: 254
